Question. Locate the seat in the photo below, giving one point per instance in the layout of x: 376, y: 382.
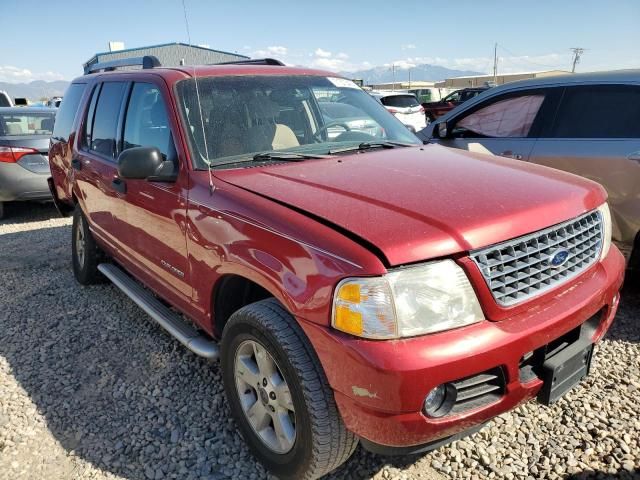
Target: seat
x: 47, y: 124
x: 14, y: 129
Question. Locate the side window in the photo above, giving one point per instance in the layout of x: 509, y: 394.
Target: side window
x: 146, y: 123
x: 67, y: 112
x: 88, y: 120
x: 105, y: 120
x: 509, y: 118
x: 599, y: 111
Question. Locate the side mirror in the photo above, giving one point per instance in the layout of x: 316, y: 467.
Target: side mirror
x: 141, y: 163
x: 443, y: 130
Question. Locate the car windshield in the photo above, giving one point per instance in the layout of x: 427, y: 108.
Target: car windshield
x: 400, y: 101
x: 236, y: 117
x: 19, y: 123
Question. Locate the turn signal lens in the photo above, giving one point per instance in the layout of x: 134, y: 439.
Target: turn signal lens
x: 348, y: 321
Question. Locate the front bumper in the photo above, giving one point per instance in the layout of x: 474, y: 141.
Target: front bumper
x: 380, y: 386
x: 17, y: 183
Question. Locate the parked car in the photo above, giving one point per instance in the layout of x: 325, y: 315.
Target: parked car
x: 362, y: 288
x: 54, y: 102
x: 24, y: 146
x: 5, y: 99
x: 434, y: 110
x: 587, y: 124
x: 404, y: 106
x: 429, y: 94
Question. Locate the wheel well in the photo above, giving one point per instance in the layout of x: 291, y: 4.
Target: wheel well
x: 634, y: 258
x: 232, y: 293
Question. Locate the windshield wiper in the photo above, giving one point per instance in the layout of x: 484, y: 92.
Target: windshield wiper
x: 286, y: 156
x: 364, y: 146
x: 274, y: 156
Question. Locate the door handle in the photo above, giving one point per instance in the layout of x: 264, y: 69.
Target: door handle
x: 76, y: 164
x: 635, y: 156
x: 510, y: 154
x: 119, y: 185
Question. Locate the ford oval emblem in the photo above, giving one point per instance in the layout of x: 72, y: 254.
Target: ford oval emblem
x: 558, y: 258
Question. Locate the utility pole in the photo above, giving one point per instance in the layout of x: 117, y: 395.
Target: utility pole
x: 409, y: 78
x: 577, y: 52
x: 495, y: 63
x: 393, y: 72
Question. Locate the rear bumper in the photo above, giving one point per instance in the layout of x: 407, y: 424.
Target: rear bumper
x: 380, y: 386
x: 18, y: 183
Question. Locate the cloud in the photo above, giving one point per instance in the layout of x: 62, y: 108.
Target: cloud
x: 322, y: 53
x: 274, y: 51
x: 338, y: 62
x: 12, y: 74
x: 408, y: 46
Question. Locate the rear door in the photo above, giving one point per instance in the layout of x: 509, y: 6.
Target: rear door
x: 504, y: 125
x: 154, y: 218
x: 596, y: 134
x: 95, y: 165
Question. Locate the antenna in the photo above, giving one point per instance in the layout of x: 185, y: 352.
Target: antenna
x: 195, y: 78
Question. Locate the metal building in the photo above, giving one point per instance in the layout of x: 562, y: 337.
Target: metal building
x: 170, y: 55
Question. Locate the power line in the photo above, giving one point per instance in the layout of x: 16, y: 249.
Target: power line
x: 525, y: 58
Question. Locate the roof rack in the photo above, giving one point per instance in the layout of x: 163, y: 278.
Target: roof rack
x: 254, y: 61
x: 148, y: 61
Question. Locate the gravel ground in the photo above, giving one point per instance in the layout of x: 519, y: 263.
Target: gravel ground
x: 92, y: 389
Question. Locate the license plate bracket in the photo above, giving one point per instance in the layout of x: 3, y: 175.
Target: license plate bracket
x: 564, y: 370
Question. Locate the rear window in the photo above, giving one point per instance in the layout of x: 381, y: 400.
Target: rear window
x: 400, y: 101
x: 17, y: 123
x: 67, y: 112
x: 600, y: 111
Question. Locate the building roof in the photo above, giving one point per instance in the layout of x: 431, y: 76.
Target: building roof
x: 160, y: 45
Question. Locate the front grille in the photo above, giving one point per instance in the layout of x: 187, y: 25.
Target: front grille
x: 478, y: 390
x: 521, y: 268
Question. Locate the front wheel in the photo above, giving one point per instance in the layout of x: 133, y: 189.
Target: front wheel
x: 280, y: 396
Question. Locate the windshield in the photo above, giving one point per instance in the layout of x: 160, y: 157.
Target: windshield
x: 240, y: 116
x: 17, y: 123
x: 400, y: 101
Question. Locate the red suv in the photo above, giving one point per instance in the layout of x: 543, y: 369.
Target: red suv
x: 356, y: 286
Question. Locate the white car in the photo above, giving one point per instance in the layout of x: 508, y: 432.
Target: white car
x: 405, y: 107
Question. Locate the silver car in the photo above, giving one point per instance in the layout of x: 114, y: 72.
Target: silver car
x: 587, y: 124
x: 24, y: 147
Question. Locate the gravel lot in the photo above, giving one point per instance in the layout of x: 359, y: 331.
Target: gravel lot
x: 92, y: 389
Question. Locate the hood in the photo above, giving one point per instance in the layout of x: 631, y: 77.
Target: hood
x: 413, y: 204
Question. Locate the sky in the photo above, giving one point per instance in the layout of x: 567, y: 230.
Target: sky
x: 50, y: 40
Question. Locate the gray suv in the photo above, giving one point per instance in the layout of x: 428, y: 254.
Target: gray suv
x: 587, y: 124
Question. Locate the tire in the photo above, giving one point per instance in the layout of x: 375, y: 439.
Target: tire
x: 85, y: 253
x: 321, y: 441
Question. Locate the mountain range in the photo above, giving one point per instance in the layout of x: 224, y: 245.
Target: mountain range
x: 423, y: 72
x: 35, y: 90
x: 38, y: 89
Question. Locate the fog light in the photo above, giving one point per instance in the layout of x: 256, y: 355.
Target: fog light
x: 440, y: 400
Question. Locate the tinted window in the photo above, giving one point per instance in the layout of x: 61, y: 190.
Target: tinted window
x: 105, y: 121
x: 146, y: 123
x: 67, y: 112
x: 605, y: 111
x: 509, y: 118
x: 400, y: 101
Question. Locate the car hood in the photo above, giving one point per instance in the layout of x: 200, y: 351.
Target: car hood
x: 413, y: 204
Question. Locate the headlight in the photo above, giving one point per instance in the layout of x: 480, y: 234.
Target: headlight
x: 606, y: 225
x: 410, y: 301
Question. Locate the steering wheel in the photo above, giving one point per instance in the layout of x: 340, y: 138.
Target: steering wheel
x: 335, y: 123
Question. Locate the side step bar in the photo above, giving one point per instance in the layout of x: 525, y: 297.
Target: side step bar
x: 172, y: 323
